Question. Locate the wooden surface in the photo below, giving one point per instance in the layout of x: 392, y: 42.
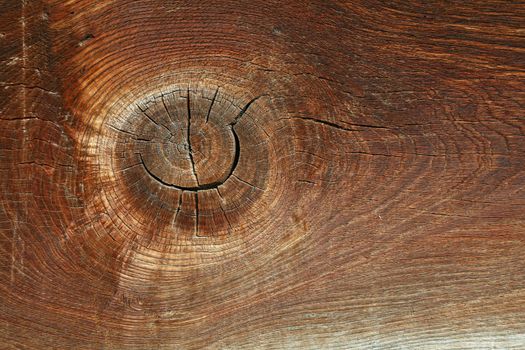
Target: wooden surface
x: 262, y: 174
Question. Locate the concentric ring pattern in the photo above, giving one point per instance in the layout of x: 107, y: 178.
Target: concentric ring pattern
x: 197, y: 174
x: 191, y: 163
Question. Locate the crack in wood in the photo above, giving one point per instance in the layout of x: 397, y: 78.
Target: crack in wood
x: 211, y: 105
x: 243, y: 111
x: 188, y: 139
x: 199, y: 186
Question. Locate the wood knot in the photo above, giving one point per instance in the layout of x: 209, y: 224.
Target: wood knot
x: 195, y: 155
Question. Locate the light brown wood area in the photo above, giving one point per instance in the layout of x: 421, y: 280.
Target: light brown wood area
x: 262, y: 174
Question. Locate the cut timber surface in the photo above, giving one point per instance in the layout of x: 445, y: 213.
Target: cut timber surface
x: 262, y: 174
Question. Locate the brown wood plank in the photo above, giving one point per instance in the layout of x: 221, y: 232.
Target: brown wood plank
x: 262, y: 174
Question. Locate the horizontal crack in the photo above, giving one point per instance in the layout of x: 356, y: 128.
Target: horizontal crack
x: 324, y: 122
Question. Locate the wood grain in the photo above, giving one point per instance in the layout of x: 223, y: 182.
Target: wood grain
x: 262, y: 174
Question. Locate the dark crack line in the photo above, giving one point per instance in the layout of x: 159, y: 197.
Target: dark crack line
x: 128, y: 167
x: 370, y: 126
x: 135, y: 136
x: 196, y: 214
x: 209, y: 186
x: 178, y: 208
x: 324, y: 122
x: 154, y: 122
x: 243, y: 111
x: 235, y: 161
x: 173, y: 121
x: 166, y: 108
x: 219, y: 193
x: 306, y: 181
x: 247, y: 183
x: 211, y: 105
x: 182, y: 188
x: 237, y: 153
x: 177, y: 124
x: 190, y: 151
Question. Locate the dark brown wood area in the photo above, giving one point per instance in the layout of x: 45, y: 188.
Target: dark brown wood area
x: 262, y: 174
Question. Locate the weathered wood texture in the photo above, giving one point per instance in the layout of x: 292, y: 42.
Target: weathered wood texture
x: 262, y: 174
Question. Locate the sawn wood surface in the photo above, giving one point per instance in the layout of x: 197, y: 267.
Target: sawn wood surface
x: 262, y: 174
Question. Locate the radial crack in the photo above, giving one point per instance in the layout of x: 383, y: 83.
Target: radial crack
x: 154, y: 122
x: 196, y: 213
x: 241, y: 113
x: 188, y: 139
x: 178, y: 208
x: 222, y: 209
x: 135, y: 136
x: 166, y: 108
x: 211, y: 104
x: 247, y: 183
